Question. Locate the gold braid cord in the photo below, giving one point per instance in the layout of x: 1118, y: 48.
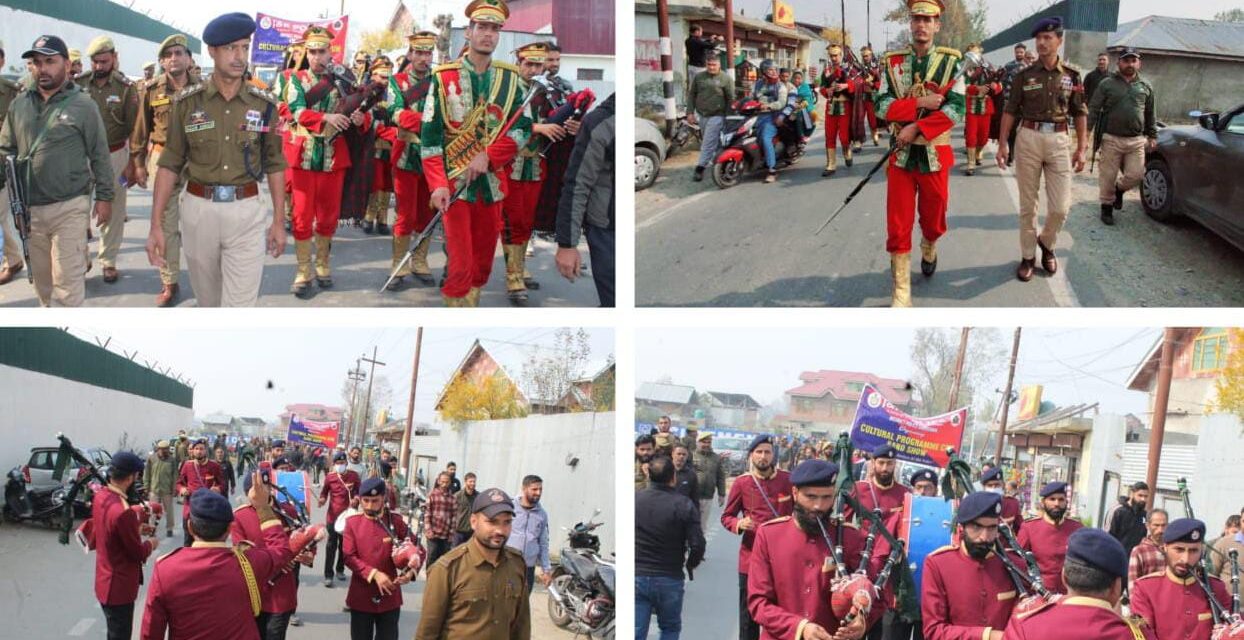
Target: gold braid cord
x: 1136, y: 624
x: 249, y: 575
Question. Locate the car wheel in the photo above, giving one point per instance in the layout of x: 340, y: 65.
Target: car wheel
x: 1157, y: 191
x: 647, y: 167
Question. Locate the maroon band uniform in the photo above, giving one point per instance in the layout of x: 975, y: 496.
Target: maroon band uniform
x: 1177, y: 608
x: 120, y: 550
x: 194, y: 476
x: 1090, y: 617
x: 339, y: 489
x: 1012, y: 514
x: 1048, y: 542
x: 747, y: 499
x: 963, y: 598
x: 281, y: 597
x: 889, y: 499
x: 369, y: 549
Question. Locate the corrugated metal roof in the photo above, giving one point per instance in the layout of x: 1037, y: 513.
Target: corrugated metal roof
x: 1077, y: 15
x: 1178, y: 461
x: 1181, y: 35
x: 657, y: 392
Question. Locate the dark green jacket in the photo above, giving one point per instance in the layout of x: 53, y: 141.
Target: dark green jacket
x: 709, y: 472
x: 711, y: 95
x: 72, y: 159
x: 1128, y: 107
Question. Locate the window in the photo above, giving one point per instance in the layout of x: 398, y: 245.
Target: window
x: 590, y: 74
x: 855, y: 387
x: 1209, y: 350
x: 1235, y: 124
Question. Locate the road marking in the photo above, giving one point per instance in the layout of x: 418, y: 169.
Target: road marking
x: 681, y: 203
x: 82, y: 627
x: 1059, y: 284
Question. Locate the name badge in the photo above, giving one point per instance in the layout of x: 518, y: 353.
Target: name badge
x: 199, y: 122
x: 161, y: 101
x: 112, y: 99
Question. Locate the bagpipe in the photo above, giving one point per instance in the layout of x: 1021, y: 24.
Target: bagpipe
x: 304, y: 536
x: 1228, y: 624
x: 576, y: 104
x: 90, y: 478
x: 408, y: 555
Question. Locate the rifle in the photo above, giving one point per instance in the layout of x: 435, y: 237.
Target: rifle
x: 539, y: 84
x: 971, y: 61
x: 21, y: 213
x: 1097, y: 135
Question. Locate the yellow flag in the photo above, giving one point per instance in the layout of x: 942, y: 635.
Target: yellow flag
x: 783, y: 15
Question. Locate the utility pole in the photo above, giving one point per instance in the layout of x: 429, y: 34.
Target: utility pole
x: 362, y: 433
x: 1006, y: 398
x: 356, y: 376
x: 958, y: 379
x: 1161, y: 400
x: 410, y: 405
x: 868, y: 29
x: 730, y: 40
x: 667, y: 66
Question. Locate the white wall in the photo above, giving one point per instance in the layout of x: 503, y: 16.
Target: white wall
x: 1103, y: 448
x: 1220, y: 456
x: 18, y: 29
x: 501, y: 452
x: 602, y: 88
x: 34, y: 407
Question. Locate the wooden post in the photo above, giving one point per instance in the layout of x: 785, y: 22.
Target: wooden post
x: 1161, y: 400
x: 1006, y: 399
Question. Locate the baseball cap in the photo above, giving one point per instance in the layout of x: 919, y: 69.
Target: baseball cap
x: 47, y: 46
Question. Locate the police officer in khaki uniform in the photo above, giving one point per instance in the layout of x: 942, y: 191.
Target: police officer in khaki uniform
x: 150, y: 134
x: 12, y: 246
x: 1047, y: 95
x: 483, y: 568
x: 75, y: 64
x: 223, y: 134
x: 117, y: 99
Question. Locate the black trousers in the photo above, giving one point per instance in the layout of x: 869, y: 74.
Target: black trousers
x: 120, y: 619
x: 334, y: 553
x: 748, y: 629
x: 272, y: 626
x: 437, y: 547
x: 187, y: 539
x: 374, y: 626
x: 891, y: 627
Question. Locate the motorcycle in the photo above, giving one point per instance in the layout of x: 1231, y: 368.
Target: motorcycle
x: 582, y: 591
x: 46, y: 506
x: 742, y: 152
x: 684, y: 131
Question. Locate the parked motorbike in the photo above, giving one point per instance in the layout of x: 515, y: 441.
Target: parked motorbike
x: 740, y: 143
x: 46, y: 506
x: 581, y: 594
x: 684, y: 131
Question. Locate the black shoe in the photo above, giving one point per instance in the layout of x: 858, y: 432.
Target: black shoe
x: 849, y: 160
x: 699, y: 174
x: 531, y: 283
x: 1118, y: 199
x: 398, y: 284
x: 301, y: 290
x: 1026, y: 268
x: 928, y: 268
x: 325, y: 283
x: 425, y: 278
x: 1107, y: 214
x: 382, y: 229
x: 369, y: 227
x: 827, y: 173
x: 518, y: 298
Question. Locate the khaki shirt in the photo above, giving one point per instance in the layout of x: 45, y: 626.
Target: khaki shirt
x: 213, y: 138
x: 466, y: 596
x: 1047, y: 95
x: 155, y: 105
x: 117, y: 100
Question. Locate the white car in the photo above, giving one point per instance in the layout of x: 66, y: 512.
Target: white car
x: 651, y: 149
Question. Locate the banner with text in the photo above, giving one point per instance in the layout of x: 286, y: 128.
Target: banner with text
x: 316, y: 434
x: 273, y: 35
x: 920, y: 440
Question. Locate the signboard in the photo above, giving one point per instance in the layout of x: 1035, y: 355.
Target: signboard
x: 1029, y: 402
x: 783, y: 15
x: 316, y: 434
x: 647, y: 55
x: 273, y: 35
x: 920, y: 440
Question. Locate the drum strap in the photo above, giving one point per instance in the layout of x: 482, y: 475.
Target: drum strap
x: 248, y: 574
x: 765, y: 496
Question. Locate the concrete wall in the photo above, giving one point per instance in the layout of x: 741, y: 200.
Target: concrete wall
x: 1188, y: 399
x: 1220, y: 455
x: 36, y: 406
x: 1102, y: 453
x: 20, y: 28
x: 501, y: 452
x: 1182, y: 84
x: 648, y: 92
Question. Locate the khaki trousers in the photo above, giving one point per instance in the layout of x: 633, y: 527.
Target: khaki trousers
x: 225, y: 243
x: 12, y: 244
x: 1119, y: 153
x: 171, y: 224
x: 111, y: 234
x: 1037, y: 154
x: 58, y: 251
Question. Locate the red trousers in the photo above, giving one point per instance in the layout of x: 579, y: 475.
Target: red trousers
x: 903, y: 187
x: 976, y: 130
x: 870, y: 114
x: 838, y: 127
x: 317, y: 202
x: 518, y: 210
x: 471, y: 233
x: 382, y: 175
x: 414, y: 202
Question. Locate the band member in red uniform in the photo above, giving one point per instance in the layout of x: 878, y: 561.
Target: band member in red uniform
x: 120, y: 550
x: 369, y: 540
x: 1046, y: 536
x: 407, y: 90
x: 376, y: 219
x: 209, y: 590
x: 792, y: 564
x: 838, y: 87
x: 322, y: 158
x: 924, y: 483
x: 1094, y: 573
x: 980, y: 91
x: 991, y: 480
x: 197, y: 473
x: 966, y: 593
x: 760, y: 495
x: 295, y: 60
x: 341, y: 492
x: 279, y: 601
x: 465, y: 147
x: 883, y: 490
x: 870, y: 86
x: 1171, y: 601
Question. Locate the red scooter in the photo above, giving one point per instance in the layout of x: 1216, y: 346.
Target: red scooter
x: 742, y: 153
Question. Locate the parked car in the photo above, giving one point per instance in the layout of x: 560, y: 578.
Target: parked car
x: 1190, y: 174
x: 651, y: 149
x: 42, y: 464
x: 733, y: 452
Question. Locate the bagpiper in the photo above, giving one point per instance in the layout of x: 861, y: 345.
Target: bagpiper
x: 870, y: 86
x: 838, y: 88
x: 1046, y: 536
x: 376, y: 220
x: 408, y: 88
x: 1172, y: 601
x: 980, y: 91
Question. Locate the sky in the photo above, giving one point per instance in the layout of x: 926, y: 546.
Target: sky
x: 1002, y: 13
x: 1074, y: 365
x: 230, y: 368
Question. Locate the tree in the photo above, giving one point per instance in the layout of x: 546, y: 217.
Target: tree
x: 933, y: 355
x: 1230, y: 384
x: 380, y: 40
x: 548, y: 373
x: 603, y: 390
x: 492, y: 398
x: 1234, y: 15
x: 960, y: 27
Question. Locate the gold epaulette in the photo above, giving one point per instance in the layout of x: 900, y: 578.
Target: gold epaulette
x: 448, y: 66
x: 948, y: 51
x: 776, y: 520
x: 505, y: 65
x: 943, y: 549
x: 900, y: 52
x: 186, y: 92
x: 1137, y: 625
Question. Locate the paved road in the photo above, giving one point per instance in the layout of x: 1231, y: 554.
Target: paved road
x: 360, y: 266
x: 710, y: 602
x: 753, y: 245
x: 49, y: 593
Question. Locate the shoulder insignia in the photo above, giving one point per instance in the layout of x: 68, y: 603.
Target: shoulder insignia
x: 943, y: 549
x: 450, y: 66
x: 891, y: 54
x: 244, y: 545
x: 776, y: 520
x: 256, y: 91
x: 948, y: 51
x: 187, y: 92
x: 169, y: 554
x: 505, y: 65
x: 1041, y: 606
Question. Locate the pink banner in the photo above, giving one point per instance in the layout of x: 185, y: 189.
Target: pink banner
x: 273, y: 35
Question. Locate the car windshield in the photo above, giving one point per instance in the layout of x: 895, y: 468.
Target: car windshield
x: 730, y: 445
